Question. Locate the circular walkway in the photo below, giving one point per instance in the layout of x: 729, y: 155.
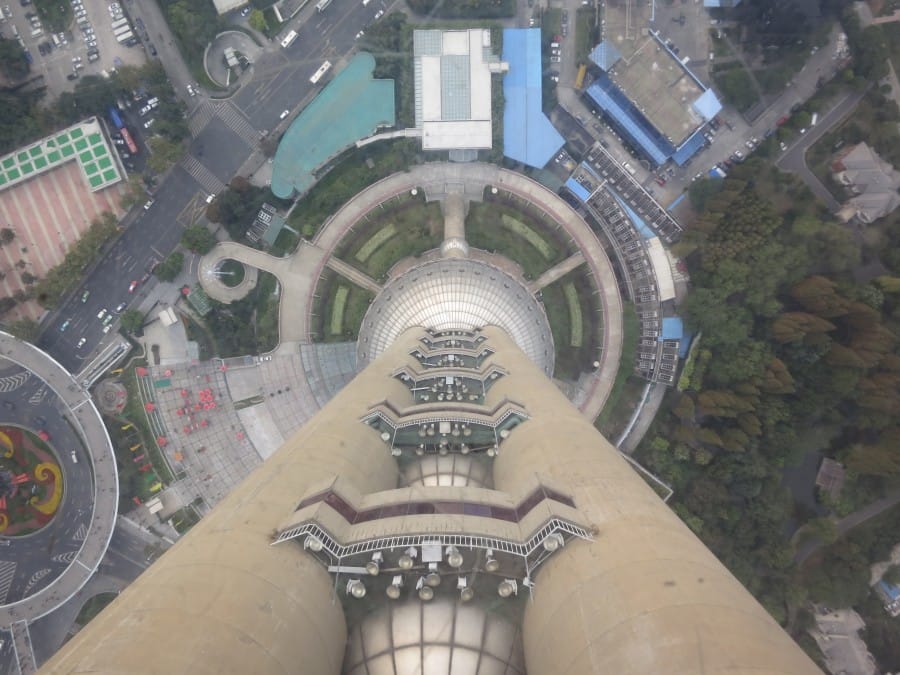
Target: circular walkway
x: 86, y: 420
x: 299, y: 273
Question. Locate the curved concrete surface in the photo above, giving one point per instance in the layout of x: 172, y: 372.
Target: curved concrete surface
x: 89, y: 425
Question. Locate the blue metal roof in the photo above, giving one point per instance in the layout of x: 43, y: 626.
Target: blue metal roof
x: 645, y: 231
x: 672, y: 328
x: 605, y: 55
x: 528, y: 136
x: 689, y: 148
x: 891, y: 591
x: 708, y: 105
x: 578, y: 189
x: 630, y: 121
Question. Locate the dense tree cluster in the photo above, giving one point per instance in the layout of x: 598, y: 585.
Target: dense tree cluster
x: 78, y: 258
x: 795, y: 356
x: 24, y: 120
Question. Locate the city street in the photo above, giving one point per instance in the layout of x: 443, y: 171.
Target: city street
x: 226, y: 135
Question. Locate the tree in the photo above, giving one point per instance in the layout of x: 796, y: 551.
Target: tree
x: 257, y: 21
x: 171, y: 267
x: 6, y: 236
x: 164, y: 153
x: 12, y: 60
x: 132, y: 321
x: 24, y: 329
x: 198, y: 239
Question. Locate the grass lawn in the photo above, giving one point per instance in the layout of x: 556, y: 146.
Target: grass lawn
x: 575, y: 334
x: 340, y: 308
x: 388, y: 235
x: 56, y: 15
x: 619, y: 405
x: 231, y: 273
x: 486, y: 229
x: 551, y: 24
x: 585, y: 33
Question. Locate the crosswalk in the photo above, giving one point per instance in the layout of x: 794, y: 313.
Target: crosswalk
x: 7, y: 572
x: 228, y: 113
x: 200, y: 118
x: 202, y: 175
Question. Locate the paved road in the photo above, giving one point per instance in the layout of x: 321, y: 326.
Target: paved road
x: 794, y: 159
x: 844, y: 525
x: 83, y: 528
x: 226, y: 135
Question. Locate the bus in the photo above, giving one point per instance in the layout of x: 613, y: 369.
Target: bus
x: 124, y: 37
x: 119, y: 23
x: 320, y: 72
x: 115, y: 118
x: 121, y: 29
x: 289, y: 39
x: 579, y: 78
x: 322, y: 4
x: 129, y: 141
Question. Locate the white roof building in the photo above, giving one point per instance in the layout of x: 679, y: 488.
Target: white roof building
x: 453, y: 71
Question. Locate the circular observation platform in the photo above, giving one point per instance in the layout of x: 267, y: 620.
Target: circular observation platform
x: 456, y: 294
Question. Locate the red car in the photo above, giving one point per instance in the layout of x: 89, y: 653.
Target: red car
x: 134, y: 284
x: 782, y: 120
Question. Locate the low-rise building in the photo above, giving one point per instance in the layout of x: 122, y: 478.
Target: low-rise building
x: 872, y: 182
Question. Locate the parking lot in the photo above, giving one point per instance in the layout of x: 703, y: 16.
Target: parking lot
x: 62, y: 58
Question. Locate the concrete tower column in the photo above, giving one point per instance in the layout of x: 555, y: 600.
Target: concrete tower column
x: 223, y: 599
x: 646, y: 596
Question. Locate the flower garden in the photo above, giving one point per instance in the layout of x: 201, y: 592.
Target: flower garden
x: 31, y: 484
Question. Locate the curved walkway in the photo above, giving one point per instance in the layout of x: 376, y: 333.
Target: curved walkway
x: 299, y: 273
x: 90, y: 427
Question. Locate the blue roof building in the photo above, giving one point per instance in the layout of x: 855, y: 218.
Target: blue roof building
x: 528, y: 136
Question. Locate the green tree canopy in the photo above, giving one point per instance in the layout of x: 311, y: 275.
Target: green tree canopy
x: 198, y: 239
x: 171, y: 267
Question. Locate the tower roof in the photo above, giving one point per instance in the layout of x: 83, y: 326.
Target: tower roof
x: 457, y: 295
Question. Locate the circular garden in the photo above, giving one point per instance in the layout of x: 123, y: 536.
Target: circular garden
x: 31, y: 483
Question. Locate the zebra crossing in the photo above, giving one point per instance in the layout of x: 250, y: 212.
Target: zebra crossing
x: 200, y: 118
x: 228, y: 113
x: 7, y: 572
x: 202, y: 175
x: 38, y: 395
x: 13, y: 382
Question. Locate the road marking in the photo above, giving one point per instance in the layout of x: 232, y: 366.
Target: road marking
x: 7, y: 571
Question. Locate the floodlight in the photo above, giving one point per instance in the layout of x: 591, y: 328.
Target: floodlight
x: 454, y: 557
x: 313, y: 543
x: 393, y: 591
x: 491, y: 564
x: 553, y: 542
x: 507, y: 587
x: 406, y: 560
x: 356, y: 588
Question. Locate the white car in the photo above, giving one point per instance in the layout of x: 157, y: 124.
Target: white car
x: 101, y: 313
x: 379, y: 14
x: 284, y: 113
